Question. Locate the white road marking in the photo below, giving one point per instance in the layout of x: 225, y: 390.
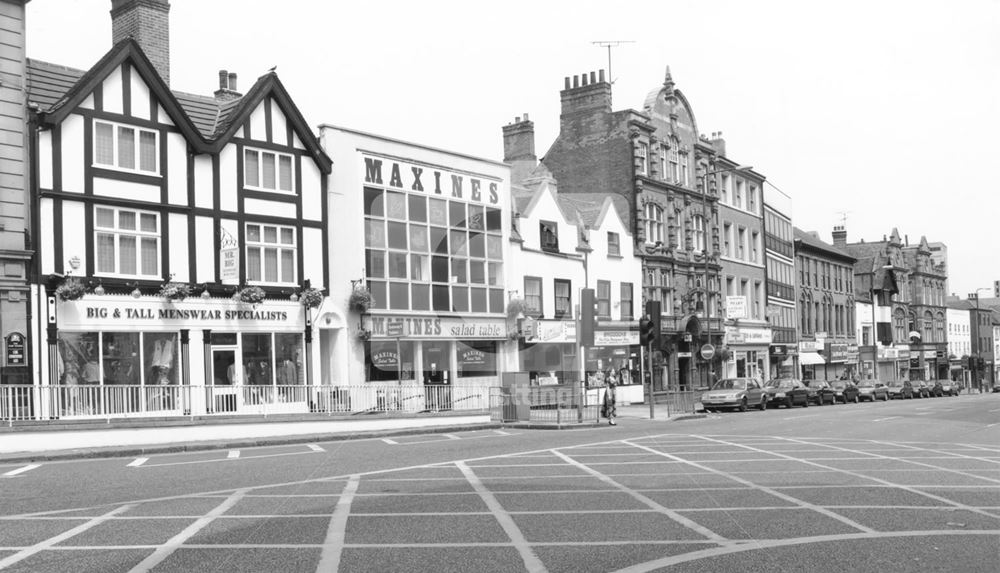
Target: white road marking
x: 686, y: 522
x: 502, y: 433
x: 451, y: 436
x: 137, y: 462
x: 531, y: 560
x: 390, y: 442
x: 233, y: 454
x: 175, y: 542
x: 315, y: 448
x: 336, y: 531
x: 29, y: 551
x: 889, y: 418
x: 21, y: 470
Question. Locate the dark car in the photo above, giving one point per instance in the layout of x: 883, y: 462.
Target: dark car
x: 900, y: 389
x: 936, y: 389
x: 872, y: 390
x: 786, y: 392
x: 949, y: 387
x: 921, y: 389
x: 738, y: 393
x: 844, y: 391
x: 823, y: 392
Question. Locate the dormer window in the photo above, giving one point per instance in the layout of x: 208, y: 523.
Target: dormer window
x: 268, y: 170
x: 549, y: 236
x: 126, y: 148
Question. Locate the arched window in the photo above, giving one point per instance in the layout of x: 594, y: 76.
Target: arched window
x: 939, y: 327
x: 675, y: 169
x: 654, y: 223
x: 927, y: 329
x: 899, y: 325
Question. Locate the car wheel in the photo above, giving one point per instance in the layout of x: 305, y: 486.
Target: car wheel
x: 805, y: 403
x: 743, y: 405
x: 763, y: 404
x: 856, y: 399
x: 885, y: 397
x: 788, y: 402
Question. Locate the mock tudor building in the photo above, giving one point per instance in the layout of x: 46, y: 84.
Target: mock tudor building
x: 177, y: 233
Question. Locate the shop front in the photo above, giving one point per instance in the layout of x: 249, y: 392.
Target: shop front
x: 839, y: 362
x: 114, y: 355
x: 929, y: 362
x: 782, y: 361
x: 437, y: 362
x: 547, y: 353
x: 893, y: 363
x: 811, y: 362
x: 616, y: 348
x: 749, y: 349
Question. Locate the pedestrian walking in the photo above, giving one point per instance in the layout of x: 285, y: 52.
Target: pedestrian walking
x: 608, y: 407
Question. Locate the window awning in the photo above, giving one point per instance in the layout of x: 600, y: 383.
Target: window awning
x: 810, y: 359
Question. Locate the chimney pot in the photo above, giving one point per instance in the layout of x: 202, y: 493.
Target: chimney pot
x: 232, y: 81
x: 600, y: 76
x: 576, y: 82
x: 223, y: 79
x: 593, y: 78
x: 583, y: 79
x: 566, y: 83
x: 526, y: 117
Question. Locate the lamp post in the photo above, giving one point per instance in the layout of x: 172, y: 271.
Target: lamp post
x: 705, y: 255
x: 979, y: 350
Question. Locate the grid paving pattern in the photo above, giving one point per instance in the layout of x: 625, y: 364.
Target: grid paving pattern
x: 642, y: 504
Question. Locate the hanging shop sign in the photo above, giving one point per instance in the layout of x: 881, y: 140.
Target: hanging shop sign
x: 229, y: 258
x: 436, y: 327
x: 835, y: 352
x: 14, y: 350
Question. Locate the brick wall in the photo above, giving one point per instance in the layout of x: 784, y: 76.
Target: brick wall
x: 148, y: 23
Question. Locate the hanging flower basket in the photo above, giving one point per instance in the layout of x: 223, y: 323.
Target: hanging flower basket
x: 175, y: 291
x: 71, y: 289
x: 251, y: 295
x: 364, y: 334
x: 513, y: 335
x: 516, y: 307
x: 311, y: 297
x: 361, y: 300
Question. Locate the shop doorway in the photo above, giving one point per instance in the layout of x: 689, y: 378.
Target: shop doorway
x: 226, y: 376
x: 437, y: 376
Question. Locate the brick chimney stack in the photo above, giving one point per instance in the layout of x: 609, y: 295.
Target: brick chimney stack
x: 227, y: 87
x: 148, y: 23
x: 586, y: 95
x: 519, y: 148
x: 840, y: 237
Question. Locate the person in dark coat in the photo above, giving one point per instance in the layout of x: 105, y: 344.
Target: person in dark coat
x: 608, y: 407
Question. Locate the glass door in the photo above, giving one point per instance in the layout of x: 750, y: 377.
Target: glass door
x: 226, y: 376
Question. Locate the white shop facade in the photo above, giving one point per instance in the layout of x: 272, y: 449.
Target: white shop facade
x: 118, y: 355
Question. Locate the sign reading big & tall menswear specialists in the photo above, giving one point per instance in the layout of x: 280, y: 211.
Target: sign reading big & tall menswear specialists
x: 95, y: 312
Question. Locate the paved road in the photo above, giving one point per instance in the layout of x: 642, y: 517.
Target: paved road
x: 898, y: 486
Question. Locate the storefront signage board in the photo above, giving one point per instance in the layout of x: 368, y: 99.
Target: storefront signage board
x: 431, y: 327
x: 741, y: 335
x: 95, y: 312
x: 616, y: 337
x: 556, y: 331
x: 736, y: 307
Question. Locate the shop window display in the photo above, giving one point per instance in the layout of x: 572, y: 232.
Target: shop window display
x: 476, y: 358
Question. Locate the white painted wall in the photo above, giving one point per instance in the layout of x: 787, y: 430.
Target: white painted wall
x: 178, y: 250
x: 126, y: 190
x: 112, y: 91
x: 227, y: 178
x: 203, y: 181
x: 177, y: 181
x: 140, y: 96
x: 72, y: 154
x: 269, y: 208
x: 959, y: 332
x: 279, y: 125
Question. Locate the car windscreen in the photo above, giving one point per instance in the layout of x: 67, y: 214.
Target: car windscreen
x: 730, y: 384
x: 780, y: 384
x: 866, y: 384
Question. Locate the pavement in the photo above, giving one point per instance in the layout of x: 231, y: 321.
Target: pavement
x: 47, y: 441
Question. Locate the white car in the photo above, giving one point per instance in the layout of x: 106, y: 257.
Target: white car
x: 738, y: 393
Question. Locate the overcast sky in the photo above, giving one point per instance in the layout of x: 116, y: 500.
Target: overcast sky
x: 879, y: 113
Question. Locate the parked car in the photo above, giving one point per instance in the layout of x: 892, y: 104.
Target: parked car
x: 736, y: 393
x: 845, y: 391
x: 936, y: 389
x: 996, y: 387
x: 900, y: 389
x: 949, y: 387
x: 823, y: 392
x: 872, y: 390
x: 786, y: 392
x: 921, y: 389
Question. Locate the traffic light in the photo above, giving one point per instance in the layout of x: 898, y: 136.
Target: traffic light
x: 649, y: 326
x: 645, y: 331
x: 588, y: 316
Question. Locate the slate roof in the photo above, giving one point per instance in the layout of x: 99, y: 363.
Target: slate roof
x: 817, y: 244
x: 51, y: 86
x: 589, y: 205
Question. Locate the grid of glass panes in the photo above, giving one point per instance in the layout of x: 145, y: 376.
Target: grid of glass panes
x: 432, y: 254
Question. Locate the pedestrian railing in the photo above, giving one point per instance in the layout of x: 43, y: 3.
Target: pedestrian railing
x: 27, y: 402
x: 680, y: 402
x: 564, y: 404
